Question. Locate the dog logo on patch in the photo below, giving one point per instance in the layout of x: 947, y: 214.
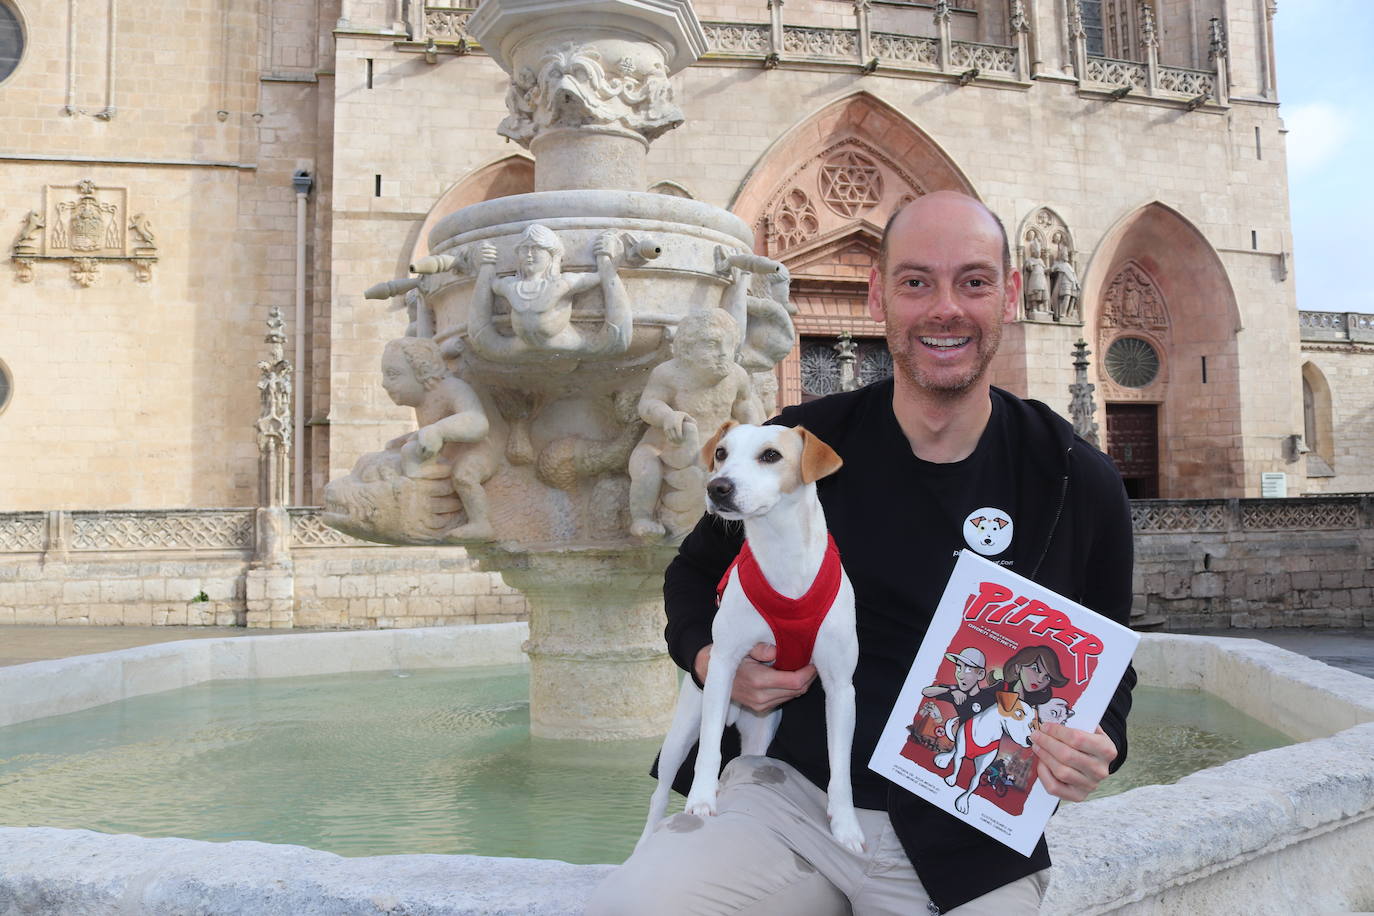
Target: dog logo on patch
x: 988, y: 531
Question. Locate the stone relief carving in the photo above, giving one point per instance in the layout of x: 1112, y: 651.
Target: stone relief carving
x: 274, y: 422
x: 540, y: 296
x: 1050, y: 285
x: 792, y: 222
x: 686, y: 399
x: 84, y: 224
x: 850, y: 183
x: 574, y: 87
x: 1133, y: 301
x: 757, y: 299
x: 1065, y: 287
x: 419, y: 484
x: 564, y: 462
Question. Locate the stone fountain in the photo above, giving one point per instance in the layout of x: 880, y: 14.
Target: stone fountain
x: 569, y: 352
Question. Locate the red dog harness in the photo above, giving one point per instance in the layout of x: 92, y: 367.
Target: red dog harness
x: 794, y: 621
x: 977, y: 750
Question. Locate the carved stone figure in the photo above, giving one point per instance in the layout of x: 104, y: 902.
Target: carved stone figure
x: 274, y: 422
x: 139, y: 223
x: 87, y: 223
x: 757, y: 299
x: 541, y: 296
x: 687, y: 398
x: 412, y: 491
x: 1037, y: 288
x: 27, y: 235
x: 1066, y: 286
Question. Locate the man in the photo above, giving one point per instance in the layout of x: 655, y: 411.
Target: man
x: 926, y: 454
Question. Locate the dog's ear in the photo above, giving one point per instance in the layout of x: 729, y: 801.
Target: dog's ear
x: 818, y: 459
x: 708, y: 451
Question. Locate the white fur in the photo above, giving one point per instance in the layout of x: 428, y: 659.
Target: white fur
x: 785, y: 526
x: 988, y: 725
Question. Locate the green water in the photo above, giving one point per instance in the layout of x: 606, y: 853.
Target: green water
x: 423, y: 762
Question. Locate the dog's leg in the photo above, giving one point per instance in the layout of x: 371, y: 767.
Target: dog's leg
x: 726, y: 654
x: 684, y: 730
x: 980, y: 764
x: 756, y: 731
x: 954, y: 757
x: 835, y: 655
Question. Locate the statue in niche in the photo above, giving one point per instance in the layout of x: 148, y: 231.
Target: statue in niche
x: 541, y: 296
x: 1066, y: 286
x: 697, y: 390
x: 413, y: 490
x: 1033, y: 269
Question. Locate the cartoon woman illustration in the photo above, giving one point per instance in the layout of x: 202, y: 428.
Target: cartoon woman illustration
x: 1031, y: 673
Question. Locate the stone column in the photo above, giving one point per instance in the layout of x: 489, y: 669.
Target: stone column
x: 1149, y: 37
x: 589, y: 83
x: 942, y: 29
x: 1081, y: 406
x: 1020, y: 35
x: 1218, y: 53
x: 271, y: 584
x: 1078, y: 41
x: 582, y: 684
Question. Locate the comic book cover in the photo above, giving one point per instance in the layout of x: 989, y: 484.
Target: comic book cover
x: 1001, y: 656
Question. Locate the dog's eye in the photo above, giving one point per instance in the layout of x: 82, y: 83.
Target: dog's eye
x: 720, y: 453
x: 769, y: 455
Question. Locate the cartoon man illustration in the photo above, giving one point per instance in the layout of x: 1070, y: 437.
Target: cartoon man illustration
x: 970, y: 667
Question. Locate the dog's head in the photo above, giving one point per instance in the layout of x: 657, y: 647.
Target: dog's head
x: 751, y: 468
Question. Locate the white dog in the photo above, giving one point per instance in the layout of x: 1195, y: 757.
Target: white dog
x: 765, y: 476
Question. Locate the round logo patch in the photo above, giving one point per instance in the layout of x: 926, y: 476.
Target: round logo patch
x: 988, y: 531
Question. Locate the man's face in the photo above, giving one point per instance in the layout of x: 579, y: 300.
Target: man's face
x: 942, y: 295
x: 967, y: 676
x: 707, y: 354
x: 399, y: 380
x: 531, y: 260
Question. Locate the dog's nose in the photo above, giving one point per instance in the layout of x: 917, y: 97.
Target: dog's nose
x: 721, y: 489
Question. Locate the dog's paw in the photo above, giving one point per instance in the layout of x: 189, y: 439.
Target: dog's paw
x: 844, y: 827
x: 961, y: 804
x: 702, y: 805
x: 942, y: 760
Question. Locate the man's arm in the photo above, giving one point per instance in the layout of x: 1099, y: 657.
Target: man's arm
x: 1074, y: 762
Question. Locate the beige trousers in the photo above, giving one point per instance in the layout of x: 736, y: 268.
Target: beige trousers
x: 769, y: 851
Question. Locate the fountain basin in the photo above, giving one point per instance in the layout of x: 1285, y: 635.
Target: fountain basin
x: 1287, y: 825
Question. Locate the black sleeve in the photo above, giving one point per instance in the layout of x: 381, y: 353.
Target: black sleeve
x: 1108, y: 587
x: 689, y: 586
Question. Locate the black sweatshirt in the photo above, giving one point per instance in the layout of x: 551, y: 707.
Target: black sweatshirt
x: 898, y: 521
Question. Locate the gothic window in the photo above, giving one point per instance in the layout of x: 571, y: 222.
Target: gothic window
x: 1092, y: 26
x: 794, y: 220
x: 1132, y: 362
x: 851, y: 183
x: 11, y: 40
x: 820, y: 365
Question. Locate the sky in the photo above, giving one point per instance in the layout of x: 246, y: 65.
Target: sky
x: 1325, y: 53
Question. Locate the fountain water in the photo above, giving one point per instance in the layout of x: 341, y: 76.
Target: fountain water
x: 560, y: 410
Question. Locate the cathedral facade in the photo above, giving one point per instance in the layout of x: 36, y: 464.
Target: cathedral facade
x: 175, y: 171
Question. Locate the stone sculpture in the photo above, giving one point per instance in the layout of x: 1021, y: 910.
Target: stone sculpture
x: 28, y: 234
x: 1066, y: 286
x: 693, y: 393
x: 1037, y: 288
x: 541, y: 296
x: 413, y: 490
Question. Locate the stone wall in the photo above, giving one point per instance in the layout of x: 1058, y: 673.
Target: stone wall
x: 1338, y: 366
x: 195, y: 567
x: 1259, y: 563
x: 1247, y: 563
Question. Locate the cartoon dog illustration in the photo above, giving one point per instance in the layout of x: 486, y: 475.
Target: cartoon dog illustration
x: 988, y: 528
x: 979, y: 738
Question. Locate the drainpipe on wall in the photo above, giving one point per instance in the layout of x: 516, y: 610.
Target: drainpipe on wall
x: 302, y: 182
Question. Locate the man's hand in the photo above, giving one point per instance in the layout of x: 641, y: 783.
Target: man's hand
x: 757, y: 686
x: 1071, y: 762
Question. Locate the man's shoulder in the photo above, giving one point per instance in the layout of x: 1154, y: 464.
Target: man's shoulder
x: 828, y: 416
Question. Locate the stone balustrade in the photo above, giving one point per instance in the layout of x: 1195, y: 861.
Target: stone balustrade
x: 1199, y: 563
x: 1352, y: 327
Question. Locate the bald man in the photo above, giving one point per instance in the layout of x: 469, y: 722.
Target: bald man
x: 925, y: 454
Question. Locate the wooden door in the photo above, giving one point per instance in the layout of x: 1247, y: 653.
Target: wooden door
x: 1133, y: 444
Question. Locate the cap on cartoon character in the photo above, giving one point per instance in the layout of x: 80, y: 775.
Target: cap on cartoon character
x: 971, y: 657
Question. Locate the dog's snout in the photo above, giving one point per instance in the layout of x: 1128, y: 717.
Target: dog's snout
x: 721, y: 489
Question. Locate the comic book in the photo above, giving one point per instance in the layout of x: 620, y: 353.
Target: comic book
x: 1001, y: 656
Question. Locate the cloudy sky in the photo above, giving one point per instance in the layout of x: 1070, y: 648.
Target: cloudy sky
x: 1326, y: 87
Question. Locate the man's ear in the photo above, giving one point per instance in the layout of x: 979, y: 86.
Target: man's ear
x: 818, y: 459
x: 876, y: 311
x: 1013, y: 297
x: 708, y: 451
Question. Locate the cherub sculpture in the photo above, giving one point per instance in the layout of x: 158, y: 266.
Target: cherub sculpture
x: 541, y: 296
x: 700, y: 388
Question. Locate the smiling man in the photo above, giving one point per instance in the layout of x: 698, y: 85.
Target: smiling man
x: 930, y: 456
